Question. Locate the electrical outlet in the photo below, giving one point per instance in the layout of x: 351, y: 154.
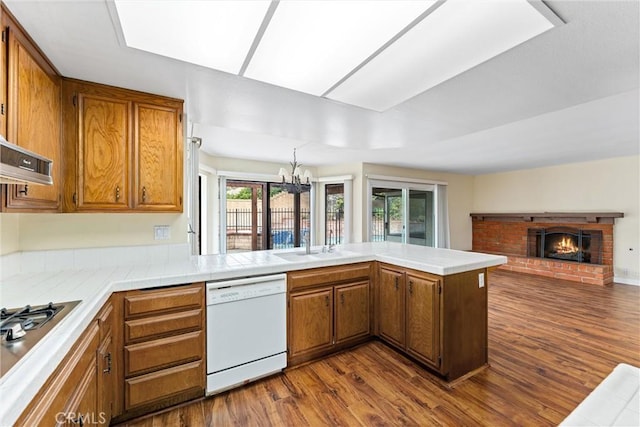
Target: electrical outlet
x: 161, y: 232
x: 481, y: 280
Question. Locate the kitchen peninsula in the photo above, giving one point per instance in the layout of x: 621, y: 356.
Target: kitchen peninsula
x: 394, y: 264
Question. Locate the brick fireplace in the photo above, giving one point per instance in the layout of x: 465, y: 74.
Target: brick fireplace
x: 569, y: 246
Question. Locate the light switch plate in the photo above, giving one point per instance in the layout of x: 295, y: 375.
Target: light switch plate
x: 481, y: 280
x: 161, y: 232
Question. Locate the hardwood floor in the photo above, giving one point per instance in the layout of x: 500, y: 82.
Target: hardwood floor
x: 550, y: 343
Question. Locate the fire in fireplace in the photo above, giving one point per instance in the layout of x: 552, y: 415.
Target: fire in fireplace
x: 565, y: 244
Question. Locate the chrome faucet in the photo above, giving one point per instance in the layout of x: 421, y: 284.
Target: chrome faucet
x: 307, y: 242
x: 331, y: 244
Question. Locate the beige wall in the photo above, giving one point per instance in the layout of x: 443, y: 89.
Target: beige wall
x: 459, y: 193
x: 9, y: 233
x: 65, y: 231
x: 611, y: 185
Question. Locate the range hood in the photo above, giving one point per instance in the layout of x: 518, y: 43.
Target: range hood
x: 20, y: 166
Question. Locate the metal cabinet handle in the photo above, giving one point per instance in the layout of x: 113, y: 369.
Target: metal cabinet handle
x: 326, y: 300
x: 25, y: 191
x: 107, y: 370
x: 342, y: 299
x: 117, y: 193
x: 410, y: 287
x: 79, y: 421
x: 396, y: 283
x: 144, y: 194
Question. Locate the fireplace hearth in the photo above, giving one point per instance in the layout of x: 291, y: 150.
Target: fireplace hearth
x: 565, y: 244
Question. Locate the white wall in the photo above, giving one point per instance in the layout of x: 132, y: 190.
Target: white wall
x: 611, y: 185
x: 9, y: 233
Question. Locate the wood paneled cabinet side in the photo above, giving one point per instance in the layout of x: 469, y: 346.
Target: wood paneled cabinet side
x: 31, y: 116
x: 126, y: 149
x: 68, y: 389
x: 3, y: 74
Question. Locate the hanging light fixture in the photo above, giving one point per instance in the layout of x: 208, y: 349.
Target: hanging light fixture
x: 293, y: 182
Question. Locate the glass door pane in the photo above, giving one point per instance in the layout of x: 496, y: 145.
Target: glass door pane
x: 387, y: 216
x: 421, y: 218
x: 289, y: 216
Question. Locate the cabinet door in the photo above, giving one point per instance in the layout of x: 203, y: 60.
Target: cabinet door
x: 158, y: 144
x: 423, y: 313
x: 3, y: 75
x: 391, y: 306
x: 310, y: 321
x: 83, y: 406
x: 352, y: 311
x: 104, y: 153
x: 105, y: 380
x: 33, y: 120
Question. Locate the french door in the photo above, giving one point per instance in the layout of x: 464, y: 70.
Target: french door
x: 402, y: 212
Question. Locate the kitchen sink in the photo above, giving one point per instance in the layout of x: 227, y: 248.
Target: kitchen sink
x: 301, y: 255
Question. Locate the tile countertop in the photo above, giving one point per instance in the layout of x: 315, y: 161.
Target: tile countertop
x: 94, y: 286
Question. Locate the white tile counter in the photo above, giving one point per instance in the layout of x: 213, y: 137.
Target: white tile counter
x: 34, y: 281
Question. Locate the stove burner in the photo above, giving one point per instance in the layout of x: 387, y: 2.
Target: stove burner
x: 14, y: 324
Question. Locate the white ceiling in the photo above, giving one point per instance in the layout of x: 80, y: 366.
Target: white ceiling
x: 568, y: 95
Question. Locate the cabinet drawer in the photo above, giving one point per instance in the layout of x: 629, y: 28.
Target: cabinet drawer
x: 158, y: 354
x: 141, y: 303
x: 167, y: 383
x: 159, y: 326
x: 327, y: 275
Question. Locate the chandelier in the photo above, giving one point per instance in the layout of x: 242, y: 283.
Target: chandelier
x: 293, y: 182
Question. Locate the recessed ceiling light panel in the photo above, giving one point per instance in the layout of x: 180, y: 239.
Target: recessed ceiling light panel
x: 310, y: 45
x: 456, y: 37
x: 214, y: 34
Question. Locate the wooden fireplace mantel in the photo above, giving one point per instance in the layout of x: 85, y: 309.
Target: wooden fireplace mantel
x: 560, y: 217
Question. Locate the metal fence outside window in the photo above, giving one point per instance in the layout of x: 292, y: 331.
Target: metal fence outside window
x: 282, y: 226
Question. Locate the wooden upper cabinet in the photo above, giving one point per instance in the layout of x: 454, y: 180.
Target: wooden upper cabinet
x: 158, y: 147
x: 124, y: 150
x: 3, y: 75
x: 104, y: 151
x: 32, y: 116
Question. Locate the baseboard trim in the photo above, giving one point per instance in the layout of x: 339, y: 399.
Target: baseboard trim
x: 624, y: 281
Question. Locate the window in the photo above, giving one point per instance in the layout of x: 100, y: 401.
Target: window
x: 254, y: 222
x: 334, y: 214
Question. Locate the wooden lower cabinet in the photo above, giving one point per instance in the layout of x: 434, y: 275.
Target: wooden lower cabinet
x: 409, y: 312
x: 440, y: 321
x: 423, y: 319
x: 352, y: 311
x: 311, y: 316
x: 80, y: 391
x: 391, y: 306
x: 328, y: 310
x: 161, y: 347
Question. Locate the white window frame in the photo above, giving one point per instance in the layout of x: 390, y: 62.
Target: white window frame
x: 347, y: 181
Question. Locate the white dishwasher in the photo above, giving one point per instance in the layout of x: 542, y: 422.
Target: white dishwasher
x: 246, y: 330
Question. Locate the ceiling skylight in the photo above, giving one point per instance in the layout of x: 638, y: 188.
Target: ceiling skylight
x: 311, y: 45
x: 456, y: 37
x: 370, y: 53
x: 214, y: 34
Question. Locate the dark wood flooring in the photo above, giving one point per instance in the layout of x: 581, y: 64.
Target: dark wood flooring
x: 550, y: 343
